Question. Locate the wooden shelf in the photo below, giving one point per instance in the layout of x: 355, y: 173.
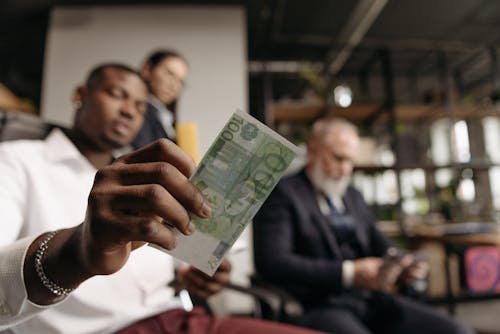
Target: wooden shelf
x: 293, y: 112
x: 377, y: 169
x: 296, y: 112
x: 417, y: 112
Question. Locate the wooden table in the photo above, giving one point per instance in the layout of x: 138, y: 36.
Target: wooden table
x: 487, y: 234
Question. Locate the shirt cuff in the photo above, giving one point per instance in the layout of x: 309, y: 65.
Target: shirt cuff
x: 14, y: 304
x: 347, y: 273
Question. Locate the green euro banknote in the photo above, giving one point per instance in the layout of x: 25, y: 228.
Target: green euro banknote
x: 236, y: 175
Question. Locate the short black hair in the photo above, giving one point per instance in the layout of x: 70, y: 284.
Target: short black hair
x: 158, y: 55
x: 95, y: 75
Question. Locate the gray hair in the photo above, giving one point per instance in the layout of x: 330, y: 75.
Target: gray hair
x: 326, y: 125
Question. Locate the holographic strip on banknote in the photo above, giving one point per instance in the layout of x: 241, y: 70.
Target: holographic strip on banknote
x: 236, y: 175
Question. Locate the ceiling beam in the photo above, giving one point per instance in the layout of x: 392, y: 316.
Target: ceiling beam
x: 420, y: 44
x: 398, y: 45
x: 358, y: 23
x: 352, y: 35
x: 277, y: 66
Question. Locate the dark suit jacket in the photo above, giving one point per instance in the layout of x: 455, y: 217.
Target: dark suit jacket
x: 295, y: 247
x: 151, y: 130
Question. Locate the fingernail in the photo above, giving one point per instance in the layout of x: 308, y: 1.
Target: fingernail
x: 191, y: 228
x: 206, y: 210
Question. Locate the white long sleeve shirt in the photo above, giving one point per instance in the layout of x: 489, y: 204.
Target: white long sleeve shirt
x: 44, y: 186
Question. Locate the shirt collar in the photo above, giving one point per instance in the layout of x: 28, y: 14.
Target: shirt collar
x: 59, y: 147
x: 157, y: 103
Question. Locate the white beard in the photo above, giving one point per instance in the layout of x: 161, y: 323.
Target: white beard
x: 334, y: 189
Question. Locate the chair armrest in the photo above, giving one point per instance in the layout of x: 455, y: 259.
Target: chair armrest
x: 280, y: 305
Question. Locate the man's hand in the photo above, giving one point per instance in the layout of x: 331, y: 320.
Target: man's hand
x: 393, y: 265
x: 202, y: 285
x: 132, y: 199
x: 405, y: 268
x: 366, y: 273
x: 128, y: 205
x: 416, y: 269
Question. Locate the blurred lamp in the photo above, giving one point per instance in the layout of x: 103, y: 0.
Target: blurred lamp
x: 342, y: 96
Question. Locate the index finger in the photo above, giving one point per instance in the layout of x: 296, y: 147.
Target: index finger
x: 162, y: 150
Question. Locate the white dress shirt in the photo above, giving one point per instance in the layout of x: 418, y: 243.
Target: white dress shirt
x: 44, y: 186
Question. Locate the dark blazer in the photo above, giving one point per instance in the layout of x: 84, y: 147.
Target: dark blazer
x: 296, y: 248
x: 151, y: 130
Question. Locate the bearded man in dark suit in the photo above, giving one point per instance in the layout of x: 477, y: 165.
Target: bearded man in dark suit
x: 316, y: 237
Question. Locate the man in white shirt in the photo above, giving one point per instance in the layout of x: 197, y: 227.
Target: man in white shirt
x: 76, y: 262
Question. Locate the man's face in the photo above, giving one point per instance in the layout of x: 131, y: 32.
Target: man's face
x: 112, y: 109
x: 334, y: 155
x: 166, y: 79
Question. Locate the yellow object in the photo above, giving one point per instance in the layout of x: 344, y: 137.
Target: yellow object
x: 187, y: 139
x: 8, y: 101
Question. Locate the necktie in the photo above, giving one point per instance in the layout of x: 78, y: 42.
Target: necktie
x: 341, y: 222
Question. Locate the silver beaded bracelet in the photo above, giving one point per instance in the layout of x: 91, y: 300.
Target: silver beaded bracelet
x: 40, y: 253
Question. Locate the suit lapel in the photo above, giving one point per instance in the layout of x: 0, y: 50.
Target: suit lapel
x: 155, y: 123
x: 317, y: 217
